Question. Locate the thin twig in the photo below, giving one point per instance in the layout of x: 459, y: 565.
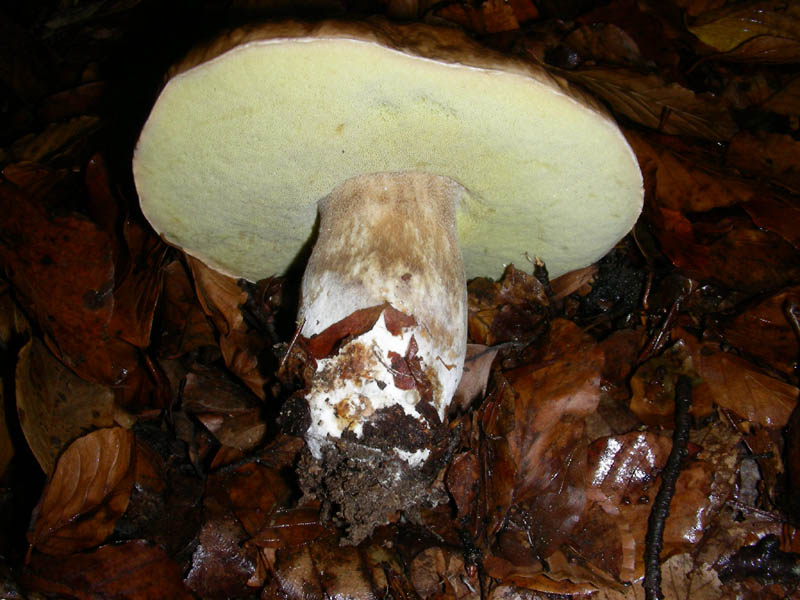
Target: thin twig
x: 291, y: 345
x: 654, y: 540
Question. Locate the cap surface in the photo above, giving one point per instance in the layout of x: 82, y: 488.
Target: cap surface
x: 253, y: 130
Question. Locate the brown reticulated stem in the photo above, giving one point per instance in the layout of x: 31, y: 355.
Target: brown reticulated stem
x: 386, y: 239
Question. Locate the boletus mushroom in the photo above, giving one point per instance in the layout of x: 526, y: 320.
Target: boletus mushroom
x: 428, y: 160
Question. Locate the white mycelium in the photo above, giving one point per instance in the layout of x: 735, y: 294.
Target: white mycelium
x: 339, y: 403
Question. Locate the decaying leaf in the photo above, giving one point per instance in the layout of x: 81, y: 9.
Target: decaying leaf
x: 55, y: 406
x: 738, y: 27
x: 134, y: 570
x: 57, y: 138
x: 323, y: 569
x: 762, y: 331
x: 220, y: 296
x: 436, y: 572
x: 183, y: 326
x: 89, y: 490
x: 774, y: 157
x: 534, y: 428
x: 63, y: 269
x: 512, y: 309
x: 739, y: 387
x: 652, y: 101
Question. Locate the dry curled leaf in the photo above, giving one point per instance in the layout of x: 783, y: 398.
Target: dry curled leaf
x: 89, y: 490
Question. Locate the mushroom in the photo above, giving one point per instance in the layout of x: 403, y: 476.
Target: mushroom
x: 428, y: 160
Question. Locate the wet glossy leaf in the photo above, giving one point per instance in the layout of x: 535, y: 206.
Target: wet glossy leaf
x: 88, y: 492
x: 653, y: 388
x: 777, y: 215
x: 130, y: 571
x: 534, y: 431
x: 54, y: 405
x: 291, y: 527
x: 728, y: 28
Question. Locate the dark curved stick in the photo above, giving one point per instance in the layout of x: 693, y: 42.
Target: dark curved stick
x: 654, y: 540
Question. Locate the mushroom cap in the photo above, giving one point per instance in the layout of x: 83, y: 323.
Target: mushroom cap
x: 252, y: 130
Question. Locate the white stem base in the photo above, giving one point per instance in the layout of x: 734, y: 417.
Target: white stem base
x: 386, y: 238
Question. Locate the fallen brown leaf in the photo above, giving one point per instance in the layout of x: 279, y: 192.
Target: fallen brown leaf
x: 679, y: 181
x: 220, y: 296
x: 776, y: 214
x: 786, y: 100
x: 439, y: 573
x: 89, y: 490
x: 133, y: 570
x: 658, y: 104
x: 754, y: 31
x: 54, y: 405
x: 534, y: 429
x: 738, y: 386
x: 771, y: 156
x: 182, y: 325
x: 62, y: 266
x: 762, y: 331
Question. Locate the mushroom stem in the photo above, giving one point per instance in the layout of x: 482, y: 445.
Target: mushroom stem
x: 386, y: 238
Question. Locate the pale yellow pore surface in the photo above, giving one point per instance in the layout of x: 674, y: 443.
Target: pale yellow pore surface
x: 237, y: 152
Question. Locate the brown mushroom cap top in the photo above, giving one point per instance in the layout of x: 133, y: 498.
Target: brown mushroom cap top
x: 254, y: 129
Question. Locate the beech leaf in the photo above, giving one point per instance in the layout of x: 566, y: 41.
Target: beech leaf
x: 655, y: 103
x: 88, y: 492
x: 730, y: 27
x: 221, y: 299
x: 54, y: 405
x: 131, y: 571
x: 63, y: 267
